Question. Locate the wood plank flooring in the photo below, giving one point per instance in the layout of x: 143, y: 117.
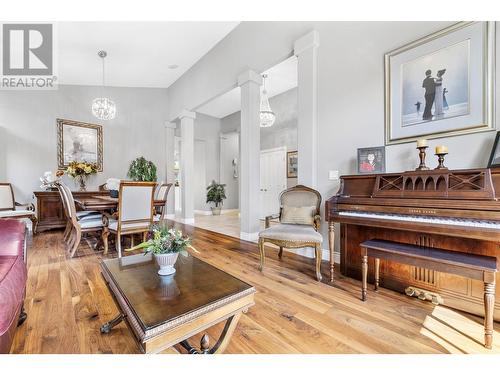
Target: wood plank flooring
x: 67, y: 301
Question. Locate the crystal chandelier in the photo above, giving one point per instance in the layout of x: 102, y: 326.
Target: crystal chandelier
x: 267, y: 116
x: 103, y: 108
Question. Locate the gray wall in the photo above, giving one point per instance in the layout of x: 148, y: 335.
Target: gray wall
x: 350, y: 88
x: 28, y: 136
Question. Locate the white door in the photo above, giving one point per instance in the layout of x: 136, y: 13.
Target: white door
x: 272, y: 180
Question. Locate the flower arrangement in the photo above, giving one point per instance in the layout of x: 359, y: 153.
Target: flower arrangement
x: 80, y: 171
x: 164, y: 241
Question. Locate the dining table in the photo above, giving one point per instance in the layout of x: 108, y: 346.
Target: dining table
x: 105, y: 203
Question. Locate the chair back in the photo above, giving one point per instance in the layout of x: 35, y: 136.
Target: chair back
x: 135, y: 204
x: 68, y: 202
x: 163, y: 190
x: 7, y: 201
x: 300, y: 197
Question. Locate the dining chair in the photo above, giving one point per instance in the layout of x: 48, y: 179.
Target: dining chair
x: 79, y: 222
x: 134, y: 215
x: 162, y: 194
x: 9, y: 206
x: 299, y: 223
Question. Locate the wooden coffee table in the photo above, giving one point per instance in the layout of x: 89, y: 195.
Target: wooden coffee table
x: 162, y: 311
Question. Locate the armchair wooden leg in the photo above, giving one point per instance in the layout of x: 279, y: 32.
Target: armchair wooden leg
x: 262, y: 255
x: 71, y: 239
x: 78, y: 238
x: 105, y: 235
x: 144, y: 236
x: 280, y: 254
x: 318, y: 262
x: 67, y: 231
x: 34, y: 223
x: 119, y: 244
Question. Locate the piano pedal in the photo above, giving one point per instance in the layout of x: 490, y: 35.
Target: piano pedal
x: 424, y: 295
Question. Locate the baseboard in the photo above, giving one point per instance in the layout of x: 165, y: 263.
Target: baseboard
x: 189, y: 221
x: 208, y: 213
x: 249, y: 236
x: 170, y: 216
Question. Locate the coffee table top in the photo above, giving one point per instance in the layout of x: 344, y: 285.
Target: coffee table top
x: 155, y: 300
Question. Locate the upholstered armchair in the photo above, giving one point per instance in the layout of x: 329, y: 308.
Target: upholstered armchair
x: 134, y: 215
x: 9, y: 206
x: 299, y: 223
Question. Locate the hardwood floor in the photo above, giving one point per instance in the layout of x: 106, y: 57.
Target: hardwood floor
x: 67, y: 301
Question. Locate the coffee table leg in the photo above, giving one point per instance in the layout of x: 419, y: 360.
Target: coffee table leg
x: 221, y: 343
x: 106, y: 327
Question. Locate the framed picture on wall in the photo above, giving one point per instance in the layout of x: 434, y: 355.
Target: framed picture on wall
x: 78, y: 141
x: 494, y: 161
x: 371, y: 160
x: 291, y: 164
x: 442, y: 84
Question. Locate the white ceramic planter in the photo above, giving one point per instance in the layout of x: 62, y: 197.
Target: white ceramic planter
x: 166, y: 263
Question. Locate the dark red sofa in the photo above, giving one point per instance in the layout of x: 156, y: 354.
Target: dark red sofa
x: 13, y: 275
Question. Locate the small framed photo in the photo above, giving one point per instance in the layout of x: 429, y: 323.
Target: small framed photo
x: 291, y: 164
x: 494, y: 161
x: 371, y: 160
x: 78, y: 141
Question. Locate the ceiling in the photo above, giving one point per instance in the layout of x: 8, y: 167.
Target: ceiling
x: 139, y: 53
x: 281, y: 78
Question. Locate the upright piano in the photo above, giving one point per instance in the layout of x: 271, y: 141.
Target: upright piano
x: 457, y: 210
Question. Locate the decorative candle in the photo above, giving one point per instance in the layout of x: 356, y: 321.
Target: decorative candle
x: 441, y: 150
x: 421, y: 143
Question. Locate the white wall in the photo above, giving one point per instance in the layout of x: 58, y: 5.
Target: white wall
x: 28, y: 121
x: 350, y: 88
x: 229, y: 150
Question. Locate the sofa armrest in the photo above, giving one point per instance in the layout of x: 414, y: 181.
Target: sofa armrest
x: 317, y: 222
x: 269, y: 218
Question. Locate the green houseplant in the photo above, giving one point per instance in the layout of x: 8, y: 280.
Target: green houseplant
x: 142, y: 170
x: 216, y: 193
x: 165, y: 244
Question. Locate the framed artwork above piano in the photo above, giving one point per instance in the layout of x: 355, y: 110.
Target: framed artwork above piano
x: 442, y: 84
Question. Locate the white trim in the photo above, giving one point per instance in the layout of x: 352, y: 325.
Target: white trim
x: 187, y: 114
x: 310, y: 40
x: 185, y: 221
x: 249, y: 76
x: 209, y: 212
x: 309, y: 252
x: 275, y: 149
x: 170, y: 216
x: 249, y: 236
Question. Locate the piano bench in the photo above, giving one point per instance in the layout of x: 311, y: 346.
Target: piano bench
x: 472, y: 266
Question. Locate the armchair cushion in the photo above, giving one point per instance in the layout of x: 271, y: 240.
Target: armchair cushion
x: 292, y: 233
x: 298, y: 215
x: 14, y: 213
x: 91, y: 223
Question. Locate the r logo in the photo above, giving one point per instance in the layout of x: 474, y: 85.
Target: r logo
x: 27, y: 49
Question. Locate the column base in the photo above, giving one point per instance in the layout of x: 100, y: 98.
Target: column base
x: 249, y: 236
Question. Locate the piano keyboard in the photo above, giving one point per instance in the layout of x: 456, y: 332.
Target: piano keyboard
x: 425, y: 219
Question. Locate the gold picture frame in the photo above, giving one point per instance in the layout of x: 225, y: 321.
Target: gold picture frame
x: 79, y: 141
x: 480, y: 84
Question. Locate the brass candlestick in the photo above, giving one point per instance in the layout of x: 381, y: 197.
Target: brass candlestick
x: 421, y: 155
x: 441, y: 160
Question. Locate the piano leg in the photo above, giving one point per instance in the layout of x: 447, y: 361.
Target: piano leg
x: 364, y: 273
x: 489, y: 305
x: 331, y: 243
x: 377, y: 272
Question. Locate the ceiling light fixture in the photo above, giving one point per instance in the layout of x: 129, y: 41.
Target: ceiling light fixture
x: 267, y: 116
x: 103, y: 108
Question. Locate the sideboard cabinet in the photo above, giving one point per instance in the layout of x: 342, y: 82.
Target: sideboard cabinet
x: 49, y: 208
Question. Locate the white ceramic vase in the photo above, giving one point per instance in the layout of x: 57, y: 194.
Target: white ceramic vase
x: 166, y: 263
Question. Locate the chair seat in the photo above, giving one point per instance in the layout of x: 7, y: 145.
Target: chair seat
x: 113, y: 225
x: 14, y: 213
x: 292, y: 233
x: 91, y: 223
x: 82, y: 214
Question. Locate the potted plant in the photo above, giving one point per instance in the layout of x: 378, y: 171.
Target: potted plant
x: 80, y: 171
x: 216, y: 193
x: 142, y: 170
x: 165, y: 244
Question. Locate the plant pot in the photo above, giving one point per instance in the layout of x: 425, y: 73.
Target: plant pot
x: 216, y: 210
x: 166, y: 263
x: 113, y: 193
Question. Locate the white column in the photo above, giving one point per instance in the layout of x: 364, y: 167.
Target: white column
x: 169, y: 173
x: 187, y: 165
x: 249, y: 180
x: 306, y: 50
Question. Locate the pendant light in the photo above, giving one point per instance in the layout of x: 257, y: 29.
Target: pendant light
x: 267, y: 116
x: 103, y: 108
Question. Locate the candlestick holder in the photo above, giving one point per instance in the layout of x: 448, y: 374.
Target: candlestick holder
x: 421, y: 155
x: 441, y: 160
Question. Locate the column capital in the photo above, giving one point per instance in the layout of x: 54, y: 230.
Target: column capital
x: 170, y: 125
x: 187, y: 114
x: 249, y: 76
x: 306, y: 42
